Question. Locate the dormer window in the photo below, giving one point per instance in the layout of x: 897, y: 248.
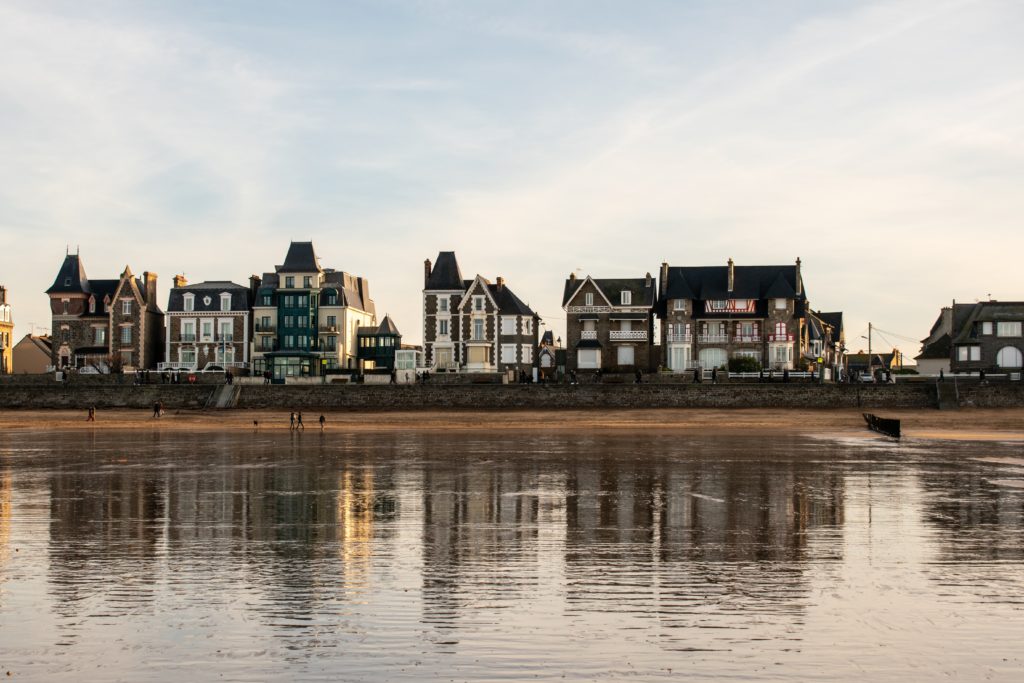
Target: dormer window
x: 478, y: 303
x: 588, y: 299
x: 679, y: 304
x: 92, y: 304
x: 126, y: 307
x: 67, y: 282
x: 225, y: 302
x: 625, y: 298
x: 188, y: 303
x: 780, y: 304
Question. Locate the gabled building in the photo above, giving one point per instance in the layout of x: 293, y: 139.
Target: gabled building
x: 710, y: 314
x: 548, y: 355
x: 104, y: 324
x: 377, y: 345
x: 610, y: 323
x: 826, y: 343
x: 937, y: 347
x: 6, y: 334
x: 474, y: 325
x: 33, y: 355
x: 307, y: 317
x: 988, y: 336
x: 208, y: 326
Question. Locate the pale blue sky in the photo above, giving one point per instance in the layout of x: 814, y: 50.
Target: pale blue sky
x: 883, y: 143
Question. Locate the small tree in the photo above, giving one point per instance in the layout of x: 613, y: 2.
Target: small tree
x: 744, y: 364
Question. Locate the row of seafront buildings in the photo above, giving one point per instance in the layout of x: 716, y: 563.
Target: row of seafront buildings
x: 301, y: 319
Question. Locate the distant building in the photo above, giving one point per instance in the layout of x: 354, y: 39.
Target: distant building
x: 307, y: 317
x: 610, y: 323
x: 33, y: 355
x: 105, y: 324
x: 474, y: 325
x: 988, y: 336
x: 937, y: 347
x: 6, y: 334
x: 857, y: 363
x: 826, y: 342
x: 377, y: 345
x: 711, y: 314
x: 208, y: 326
x: 548, y: 355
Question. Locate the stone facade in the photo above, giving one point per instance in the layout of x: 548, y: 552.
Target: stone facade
x: 474, y: 325
x: 208, y: 326
x: 610, y: 324
x: 988, y: 335
x: 6, y: 334
x: 105, y: 325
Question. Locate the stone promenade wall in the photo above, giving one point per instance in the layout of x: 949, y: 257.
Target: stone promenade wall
x: 500, y: 397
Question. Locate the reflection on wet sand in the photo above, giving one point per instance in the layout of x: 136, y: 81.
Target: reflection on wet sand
x: 421, y: 554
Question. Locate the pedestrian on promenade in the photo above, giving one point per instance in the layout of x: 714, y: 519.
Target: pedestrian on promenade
x: 696, y: 375
x: 291, y: 424
x: 323, y: 421
x: 785, y: 375
x: 639, y: 376
x: 394, y: 378
x: 92, y: 414
x: 714, y: 375
x: 156, y: 410
x: 942, y: 376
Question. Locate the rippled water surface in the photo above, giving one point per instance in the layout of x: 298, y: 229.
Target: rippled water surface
x: 432, y: 556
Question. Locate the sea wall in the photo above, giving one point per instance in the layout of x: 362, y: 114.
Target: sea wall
x: 512, y: 396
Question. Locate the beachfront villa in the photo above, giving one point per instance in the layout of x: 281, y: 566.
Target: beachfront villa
x: 6, y: 334
x: 104, y: 325
x: 377, y: 346
x: 306, y: 317
x: 208, y: 326
x: 609, y: 323
x: 474, y: 325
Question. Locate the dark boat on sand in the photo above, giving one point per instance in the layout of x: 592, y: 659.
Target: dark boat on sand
x: 883, y: 425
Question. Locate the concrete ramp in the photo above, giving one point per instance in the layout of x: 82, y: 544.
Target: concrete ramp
x: 947, y: 396
x: 224, y: 396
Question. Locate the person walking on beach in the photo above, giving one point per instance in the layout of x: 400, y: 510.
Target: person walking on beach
x: 299, y: 425
x: 92, y: 414
x: 156, y: 410
x: 323, y: 421
x: 291, y: 423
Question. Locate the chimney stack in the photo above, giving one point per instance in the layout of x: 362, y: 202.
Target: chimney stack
x: 572, y: 276
x: 799, y: 279
x: 426, y: 272
x: 648, y: 281
x: 732, y: 276
x: 179, y: 281
x: 149, y: 280
x: 501, y: 283
x: 663, y: 278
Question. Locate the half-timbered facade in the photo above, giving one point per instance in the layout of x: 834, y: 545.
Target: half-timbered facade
x: 610, y: 323
x: 104, y: 324
x: 208, y: 326
x: 474, y: 325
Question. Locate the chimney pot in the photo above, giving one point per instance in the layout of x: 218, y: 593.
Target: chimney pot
x: 572, y: 276
x: 732, y: 276
x: 426, y: 272
x: 501, y: 282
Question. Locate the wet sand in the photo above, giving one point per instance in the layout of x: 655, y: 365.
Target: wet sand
x: 996, y: 425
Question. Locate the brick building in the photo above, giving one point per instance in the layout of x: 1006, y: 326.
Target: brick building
x: 104, y: 324
x: 306, y: 318
x: 610, y: 323
x: 474, y: 325
x: 6, y: 334
x: 711, y: 314
x: 208, y: 326
x: 987, y: 335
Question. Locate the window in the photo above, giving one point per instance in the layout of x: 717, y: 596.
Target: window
x: 780, y: 331
x: 126, y: 358
x: 588, y: 299
x: 527, y: 353
x: 588, y: 359
x: 508, y: 324
x: 1008, y: 329
x: 289, y: 341
x: 442, y: 304
x: 92, y: 304
x: 528, y: 326
x: 508, y: 353
x: 478, y: 329
x: 332, y: 321
x: 780, y: 304
x: 332, y: 299
x: 188, y: 331
x: 302, y: 321
x: 266, y: 300
x: 289, y: 282
x: 624, y: 355
x: 589, y: 325
x: 625, y: 298
x: 189, y: 303
x: 265, y: 322
x: 679, y: 304
x: 1009, y: 357
x: 442, y: 327
x: 126, y: 307
x: 225, y: 302
x: 302, y: 341
x: 226, y: 332
x: 289, y: 321
x: 968, y: 353
x: 67, y: 282
x: 65, y: 304
x: 713, y: 358
x: 207, y: 330
x: 187, y: 356
x: 126, y: 335
x: 478, y: 303
x: 100, y: 336
x: 268, y: 344
x: 986, y: 328
x: 307, y: 281
x: 332, y: 343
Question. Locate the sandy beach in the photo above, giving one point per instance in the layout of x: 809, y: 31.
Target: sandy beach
x: 1001, y: 424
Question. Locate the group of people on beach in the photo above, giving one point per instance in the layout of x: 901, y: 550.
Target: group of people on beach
x: 295, y: 422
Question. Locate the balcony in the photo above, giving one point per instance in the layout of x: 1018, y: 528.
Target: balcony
x: 328, y: 329
x: 265, y: 329
x: 747, y: 339
x: 679, y: 338
x: 176, y: 366
x: 628, y: 335
x: 780, y: 337
x: 187, y: 338
x: 588, y: 334
x: 713, y: 338
x: 589, y: 309
x: 225, y: 338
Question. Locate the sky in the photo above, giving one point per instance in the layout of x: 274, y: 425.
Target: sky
x: 880, y: 142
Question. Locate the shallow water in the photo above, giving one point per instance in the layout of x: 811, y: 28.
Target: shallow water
x: 426, y: 556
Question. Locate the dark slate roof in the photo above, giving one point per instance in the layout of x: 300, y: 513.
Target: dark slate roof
x: 750, y: 282
x: 835, y: 319
x: 387, y: 326
x: 352, y: 290
x: 301, y: 258
x: 815, y: 328
x: 213, y: 289
x: 966, y: 315
x: 105, y: 288
x: 508, y: 302
x: 941, y: 348
x: 445, y: 273
x: 71, y: 271
x: 548, y: 338
x: 588, y: 344
x: 611, y: 287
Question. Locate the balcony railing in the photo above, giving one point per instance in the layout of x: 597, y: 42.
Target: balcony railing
x: 628, y: 335
x: 225, y: 337
x: 747, y: 339
x: 590, y: 309
x: 177, y: 365
x: 713, y: 338
x: 780, y: 337
x: 588, y: 334
x: 685, y: 338
x: 329, y: 329
x: 265, y: 329
x: 187, y: 338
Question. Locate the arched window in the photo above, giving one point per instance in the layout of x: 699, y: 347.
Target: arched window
x: 1009, y: 357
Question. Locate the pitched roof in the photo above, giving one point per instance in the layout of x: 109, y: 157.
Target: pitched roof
x: 445, y: 273
x: 940, y: 348
x: 387, y: 326
x: 835, y: 319
x: 965, y: 315
x: 213, y: 289
x: 352, y: 290
x: 749, y: 282
x: 642, y: 295
x: 301, y: 258
x: 71, y: 277
x: 507, y: 301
